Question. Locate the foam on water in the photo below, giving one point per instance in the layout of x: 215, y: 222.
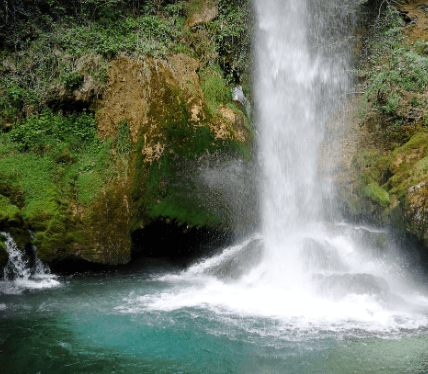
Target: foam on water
x: 261, y: 293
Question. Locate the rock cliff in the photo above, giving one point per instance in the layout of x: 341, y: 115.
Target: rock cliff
x: 385, y: 168
x: 126, y: 131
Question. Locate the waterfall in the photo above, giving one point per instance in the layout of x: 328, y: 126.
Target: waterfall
x: 17, y: 266
x: 18, y: 274
x: 303, y: 265
x: 300, y: 77
x: 298, y: 82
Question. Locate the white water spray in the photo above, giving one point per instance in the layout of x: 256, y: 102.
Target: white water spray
x: 294, y: 86
x: 304, y: 270
x: 18, y: 275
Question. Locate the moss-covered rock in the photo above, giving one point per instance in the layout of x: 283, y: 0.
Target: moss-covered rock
x: 99, y: 234
x: 378, y: 194
x: 178, y: 120
x: 11, y: 220
x: 395, y: 185
x: 177, y: 108
x: 4, y: 255
x: 10, y: 215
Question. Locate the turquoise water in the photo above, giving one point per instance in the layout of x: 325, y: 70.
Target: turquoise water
x: 91, y: 324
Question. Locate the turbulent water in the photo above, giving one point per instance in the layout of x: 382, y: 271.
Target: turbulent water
x: 19, y: 275
x: 305, y: 294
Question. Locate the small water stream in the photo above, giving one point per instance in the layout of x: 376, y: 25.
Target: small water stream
x: 19, y: 275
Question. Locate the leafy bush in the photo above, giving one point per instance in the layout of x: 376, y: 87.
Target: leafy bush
x: 399, y: 69
x: 13, y: 100
x: 232, y: 31
x: 51, y: 130
x: 72, y: 80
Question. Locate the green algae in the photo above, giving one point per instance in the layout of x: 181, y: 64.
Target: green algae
x: 377, y: 194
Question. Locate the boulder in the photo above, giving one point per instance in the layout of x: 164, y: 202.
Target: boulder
x: 201, y: 12
x: 340, y: 285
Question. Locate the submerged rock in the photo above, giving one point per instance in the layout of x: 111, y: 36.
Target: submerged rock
x: 320, y: 255
x: 340, y: 285
x: 236, y: 265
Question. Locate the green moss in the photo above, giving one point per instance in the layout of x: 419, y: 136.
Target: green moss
x: 55, y: 226
x: 377, y: 194
x: 176, y: 200
x: 31, y: 172
x: 370, y: 165
x: 4, y: 255
x: 163, y: 189
x: 10, y: 215
x: 242, y: 113
x: 420, y: 168
x: 195, y: 6
x: 88, y: 187
x: 10, y: 188
x: 213, y: 86
x: 416, y: 141
x: 411, y: 170
x: 11, y: 220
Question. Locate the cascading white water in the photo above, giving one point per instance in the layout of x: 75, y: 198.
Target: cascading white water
x: 296, y: 85
x: 17, y: 266
x: 302, y: 269
x: 19, y: 275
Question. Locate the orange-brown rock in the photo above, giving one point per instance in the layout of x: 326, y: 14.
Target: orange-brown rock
x: 135, y: 93
x: 206, y: 12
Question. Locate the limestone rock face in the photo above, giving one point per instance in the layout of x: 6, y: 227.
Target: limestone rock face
x: 183, y: 126
x: 206, y: 12
x: 175, y: 130
x: 84, y: 93
x: 417, y: 196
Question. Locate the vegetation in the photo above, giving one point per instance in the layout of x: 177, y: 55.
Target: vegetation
x: 56, y: 43
x: 60, y: 178
x: 397, y: 78
x: 391, y: 185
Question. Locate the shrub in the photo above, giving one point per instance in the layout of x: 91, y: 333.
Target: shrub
x: 49, y: 130
x: 72, y: 80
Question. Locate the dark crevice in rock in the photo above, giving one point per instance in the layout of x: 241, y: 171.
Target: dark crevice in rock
x: 169, y: 240
x: 69, y: 106
x: 71, y: 265
x: 405, y: 17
